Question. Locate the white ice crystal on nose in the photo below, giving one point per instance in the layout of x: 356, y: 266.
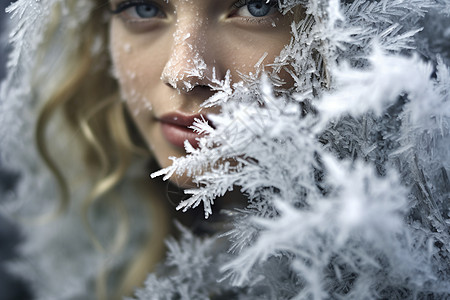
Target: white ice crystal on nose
x: 186, y: 67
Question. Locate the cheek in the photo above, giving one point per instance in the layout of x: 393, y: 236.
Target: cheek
x: 134, y: 76
x: 246, y: 53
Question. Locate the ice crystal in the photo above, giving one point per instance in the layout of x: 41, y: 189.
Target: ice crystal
x: 190, y: 271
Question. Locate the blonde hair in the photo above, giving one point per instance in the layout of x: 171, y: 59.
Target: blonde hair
x: 88, y: 98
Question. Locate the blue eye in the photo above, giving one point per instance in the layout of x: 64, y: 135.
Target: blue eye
x: 259, y: 8
x: 138, y: 9
x: 146, y: 11
x: 255, y: 8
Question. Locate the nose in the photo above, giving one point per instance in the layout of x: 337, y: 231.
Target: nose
x: 192, y: 60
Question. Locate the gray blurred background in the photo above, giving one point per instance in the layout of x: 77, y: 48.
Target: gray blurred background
x: 11, y: 288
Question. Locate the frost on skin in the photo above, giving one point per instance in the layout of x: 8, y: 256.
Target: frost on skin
x: 188, y: 54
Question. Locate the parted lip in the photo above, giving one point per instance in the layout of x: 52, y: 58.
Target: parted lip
x: 180, y: 119
x: 175, y: 128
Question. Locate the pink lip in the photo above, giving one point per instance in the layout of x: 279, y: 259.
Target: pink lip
x: 175, y: 129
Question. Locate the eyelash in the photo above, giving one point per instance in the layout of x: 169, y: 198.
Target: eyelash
x: 241, y: 3
x: 122, y: 6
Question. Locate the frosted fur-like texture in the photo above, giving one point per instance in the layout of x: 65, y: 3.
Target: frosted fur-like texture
x: 346, y: 174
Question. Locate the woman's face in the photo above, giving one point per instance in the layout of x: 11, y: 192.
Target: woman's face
x: 166, y: 53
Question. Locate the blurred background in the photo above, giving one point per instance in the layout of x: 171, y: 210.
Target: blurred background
x: 11, y: 288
